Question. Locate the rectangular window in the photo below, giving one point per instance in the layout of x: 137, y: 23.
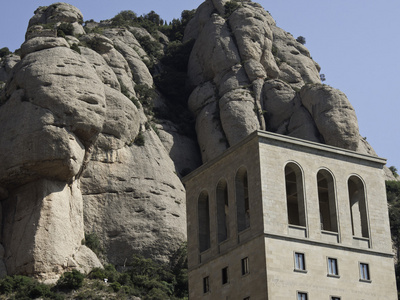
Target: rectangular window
x: 335, y: 298
x: 225, y: 275
x: 299, y: 261
x: 247, y: 298
x: 302, y: 296
x: 364, y: 272
x: 245, y: 266
x: 206, y: 285
x: 333, y: 266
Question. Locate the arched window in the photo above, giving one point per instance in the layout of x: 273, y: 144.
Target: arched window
x: 295, y: 195
x: 242, y: 200
x: 358, y: 207
x: 222, y: 211
x: 327, y: 201
x: 204, y: 222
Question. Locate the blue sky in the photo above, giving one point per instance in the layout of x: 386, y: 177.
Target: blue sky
x: 355, y: 42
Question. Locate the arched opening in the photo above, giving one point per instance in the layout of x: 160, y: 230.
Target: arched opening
x: 222, y: 211
x: 358, y: 207
x: 327, y: 201
x: 295, y: 195
x: 242, y: 200
x: 204, y: 222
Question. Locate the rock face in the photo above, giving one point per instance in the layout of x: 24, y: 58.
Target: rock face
x: 81, y: 151
x: 68, y: 160
x: 263, y: 79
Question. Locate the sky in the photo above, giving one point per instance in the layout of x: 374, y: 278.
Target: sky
x: 355, y: 42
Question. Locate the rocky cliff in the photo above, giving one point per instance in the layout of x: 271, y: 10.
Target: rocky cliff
x: 96, y: 125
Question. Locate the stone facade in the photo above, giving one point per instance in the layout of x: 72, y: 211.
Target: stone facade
x: 276, y: 217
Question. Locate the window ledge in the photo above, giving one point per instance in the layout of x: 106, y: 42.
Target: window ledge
x: 300, y: 271
x: 333, y: 275
x: 366, y: 280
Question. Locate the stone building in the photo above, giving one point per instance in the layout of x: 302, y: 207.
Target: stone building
x: 275, y: 217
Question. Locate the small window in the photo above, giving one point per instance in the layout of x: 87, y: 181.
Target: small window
x: 335, y: 298
x: 333, y: 267
x: 206, y: 285
x: 364, y: 272
x: 299, y: 261
x: 247, y: 298
x: 302, y: 296
x: 225, y: 275
x: 245, y: 266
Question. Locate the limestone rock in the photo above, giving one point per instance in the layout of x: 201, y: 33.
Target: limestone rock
x: 6, y: 65
x: 333, y: 114
x: 231, y: 79
x: 301, y: 125
x: 61, y: 101
x: 210, y: 135
x: 85, y: 260
x: 130, y: 48
x: 134, y: 201
x: 40, y: 43
x: 48, y: 231
x: 254, y: 69
x: 58, y: 13
x: 237, y: 115
x: 62, y: 81
x: 291, y: 76
x: 278, y: 102
x: 254, y: 36
x: 103, y: 71
x: 213, y: 53
x: 197, y: 23
x: 182, y: 150
x: 201, y: 96
x: 122, y: 121
x: 295, y: 55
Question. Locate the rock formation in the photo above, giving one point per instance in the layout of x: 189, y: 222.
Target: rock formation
x: 81, y: 151
x: 259, y: 77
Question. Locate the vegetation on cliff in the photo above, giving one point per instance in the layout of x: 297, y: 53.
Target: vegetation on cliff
x: 393, y: 197
x: 141, y: 277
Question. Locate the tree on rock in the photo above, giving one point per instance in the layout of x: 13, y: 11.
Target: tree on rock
x: 301, y: 40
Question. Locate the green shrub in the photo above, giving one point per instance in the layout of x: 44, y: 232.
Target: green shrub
x: 94, y: 44
x: 139, y: 140
x: 24, y: 287
x: 149, y: 45
x: 60, y: 33
x: 155, y: 129
x: 231, y: 6
x: 97, y: 273
x: 66, y: 29
x: 179, y: 266
x: 177, y: 55
x: 75, y: 47
x: 175, y: 30
x: 393, y: 169
x: 92, y: 241
x: 124, y: 18
x: 116, y: 286
x: 40, y: 290
x: 151, y: 21
x: 156, y: 294
x: 71, y: 280
x: 4, y: 52
x: 301, y: 40
x: 172, y: 80
x: 7, y: 285
x: 146, y: 97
